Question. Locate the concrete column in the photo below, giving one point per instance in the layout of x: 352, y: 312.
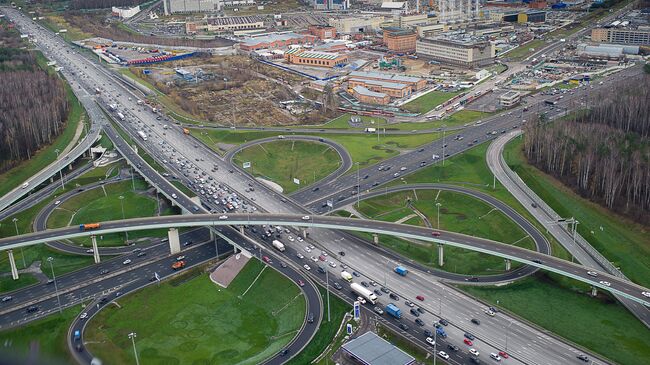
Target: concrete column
x: 241, y: 230
x: 12, y: 263
x: 303, y: 231
x: 211, y: 235
x: 93, y: 238
x: 441, y: 255
x: 594, y: 291
x: 70, y: 167
x: 174, y: 241
x: 508, y: 265
x: 375, y: 238
x: 51, y: 179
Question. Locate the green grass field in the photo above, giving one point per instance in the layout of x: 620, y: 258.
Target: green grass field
x: 367, y: 149
x: 283, y: 161
x: 198, y: 322
x: 103, y: 204
x: 458, y: 213
x: 428, y: 101
x: 47, y: 335
x: 7, y: 283
x: 602, y: 325
x: 623, y: 242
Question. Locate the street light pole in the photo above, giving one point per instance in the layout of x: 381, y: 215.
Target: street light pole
x: 358, y: 186
x: 56, y: 287
x: 327, y: 286
x: 60, y: 170
x: 121, y: 197
x: 443, y: 144
x: 438, y: 206
x: 132, y: 336
x: 15, y: 220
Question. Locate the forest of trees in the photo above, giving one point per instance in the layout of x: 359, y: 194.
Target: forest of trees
x: 33, y: 104
x: 602, y: 153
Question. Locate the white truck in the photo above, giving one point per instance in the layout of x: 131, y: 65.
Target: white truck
x: 346, y: 276
x: 121, y: 116
x: 142, y: 135
x: 279, y: 245
x: 364, y: 293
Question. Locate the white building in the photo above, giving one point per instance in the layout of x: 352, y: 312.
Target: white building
x: 125, y: 13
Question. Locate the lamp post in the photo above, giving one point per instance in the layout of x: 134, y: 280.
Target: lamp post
x: 358, y: 187
x: 438, y: 206
x: 56, y: 287
x: 327, y: 288
x: 121, y: 197
x: 443, y: 143
x: 132, y: 336
x: 60, y: 170
x: 15, y: 220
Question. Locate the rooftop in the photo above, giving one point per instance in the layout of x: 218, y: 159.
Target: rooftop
x: 313, y: 54
x: 386, y: 84
x: 363, y: 91
x: 385, y: 76
x: 234, y: 20
x: 395, y: 31
x: 272, y: 38
x: 371, y: 349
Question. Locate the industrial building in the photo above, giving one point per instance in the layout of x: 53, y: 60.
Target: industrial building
x: 313, y: 58
x: 331, y: 4
x: 392, y: 89
x: 370, y: 349
x: 358, y: 24
x: 521, y: 17
x: 322, y: 31
x: 415, y: 83
x: 125, y: 13
x: 466, y: 53
x: 191, y: 6
x: 509, y: 99
x: 273, y: 41
x: 638, y: 36
x: 225, y: 24
x: 399, y: 40
x: 609, y: 51
x: 370, y: 97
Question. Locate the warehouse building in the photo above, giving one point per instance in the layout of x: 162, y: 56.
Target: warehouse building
x: 273, y: 41
x: 358, y: 24
x: 370, y: 97
x: 226, y: 24
x: 392, y: 89
x: 322, y: 31
x: 466, y: 53
x: 638, y: 36
x: 370, y: 349
x: 313, y: 58
x: 415, y: 83
x: 191, y: 6
x: 399, y: 40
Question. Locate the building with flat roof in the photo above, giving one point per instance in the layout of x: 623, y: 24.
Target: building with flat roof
x: 331, y: 4
x: 314, y: 58
x: 125, y: 13
x: 415, y: 83
x: 400, y: 40
x: 357, y: 24
x: 225, y: 24
x: 370, y: 97
x: 322, y: 31
x: 392, y: 89
x: 638, y: 36
x: 510, y: 98
x: 272, y: 41
x: 370, y: 349
x: 466, y: 53
x: 191, y: 6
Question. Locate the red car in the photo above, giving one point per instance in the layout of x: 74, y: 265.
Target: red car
x: 420, y: 298
x: 467, y: 342
x: 503, y: 354
x: 321, y: 257
x: 435, y: 233
x: 266, y: 259
x: 301, y: 283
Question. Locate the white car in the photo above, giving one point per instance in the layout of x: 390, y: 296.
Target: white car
x: 126, y: 262
x: 223, y: 217
x: 306, y: 267
x: 443, y: 354
x: 314, y: 259
x: 646, y: 294
x: 180, y: 258
x: 90, y: 250
x: 306, y: 218
x: 489, y: 313
x: 592, y: 273
x: 57, y: 202
x: 290, y: 238
x: 473, y: 352
x: 300, y: 239
x: 431, y: 341
x: 361, y: 300
x: 495, y: 356
x: 174, y: 196
x: 606, y: 283
x: 307, y: 249
x: 83, y: 315
x: 300, y: 256
x: 312, y: 247
x: 332, y: 264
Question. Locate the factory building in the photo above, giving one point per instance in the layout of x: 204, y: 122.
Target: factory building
x: 191, y: 6
x: 229, y: 24
x: 399, y: 40
x: 415, y: 83
x: 358, y: 24
x: 509, y: 99
x: 391, y: 89
x: 456, y: 52
x: 273, y: 41
x: 370, y: 97
x: 125, y: 13
x: 313, y: 58
x: 521, y: 17
x: 322, y: 31
x: 331, y: 4
x: 639, y: 36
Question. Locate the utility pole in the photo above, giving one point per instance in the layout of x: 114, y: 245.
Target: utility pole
x: 56, y: 288
x: 132, y: 336
x: 443, y: 144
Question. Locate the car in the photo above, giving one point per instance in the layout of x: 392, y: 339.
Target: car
x: 337, y: 286
x: 403, y: 327
x: 606, y: 283
x: 322, y: 258
x: 453, y: 348
x: 414, y: 312
x: 291, y: 239
x: 592, y: 273
x: 385, y: 290
x: 495, y: 356
x: 300, y: 256
x: 126, y: 262
x: 419, y: 322
x: 378, y: 292
x: 443, y: 322
x: 476, y: 321
x: 646, y: 294
x: 437, y: 325
x: 306, y: 217
x: 435, y: 234
x: 489, y: 312
x: 356, y: 274
x: 90, y: 250
x: 443, y: 354
x: 393, y: 296
x: 430, y: 341
x: 373, y: 283
x: 301, y: 283
x: 83, y: 315
x: 332, y: 264
x: 180, y: 258
x: 32, y: 309
x: 583, y: 357
x: 142, y: 253
x: 284, y: 352
x: 283, y: 265
x: 361, y: 300
x: 223, y: 217
x: 469, y: 336
x: 314, y: 258
x: 310, y: 318
x: 427, y: 333
x: 104, y: 272
x: 467, y: 341
x: 419, y: 309
x: 378, y: 310
x: 342, y: 253
x: 365, y: 284
x: 474, y: 351
x: 420, y: 298
x: 307, y: 249
x: 306, y: 267
x: 7, y: 298
x: 504, y: 354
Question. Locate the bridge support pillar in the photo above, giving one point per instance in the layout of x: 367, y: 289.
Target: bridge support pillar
x: 70, y: 167
x: 241, y: 230
x: 441, y: 255
x: 594, y: 291
x: 174, y: 241
x: 211, y: 235
x: 93, y: 238
x: 508, y: 265
x: 12, y: 263
x: 51, y: 179
x: 375, y: 238
x: 303, y: 231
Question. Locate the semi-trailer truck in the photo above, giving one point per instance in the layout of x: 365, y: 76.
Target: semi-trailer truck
x: 279, y: 245
x: 364, y: 293
x: 401, y: 270
x: 346, y: 276
x: 393, y: 310
x: 88, y: 226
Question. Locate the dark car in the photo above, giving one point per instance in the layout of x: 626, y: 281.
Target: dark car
x: 443, y: 322
x: 142, y: 253
x: 284, y: 352
x: 419, y: 322
x: 403, y: 327
x: 583, y: 358
x: 420, y: 310
x: 321, y: 270
x: 453, y: 348
x: 337, y: 285
x: 365, y: 284
x: 414, y: 312
x: 315, y: 189
x: 385, y: 290
x: 378, y: 292
x: 342, y: 253
x: 469, y: 336
x: 32, y: 309
x: 427, y: 333
x: 310, y: 318
x: 394, y: 297
x: 476, y: 321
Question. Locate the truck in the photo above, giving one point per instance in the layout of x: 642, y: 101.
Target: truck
x: 364, y: 293
x: 142, y: 135
x: 371, y: 130
x: 88, y: 226
x: 121, y: 116
x: 178, y: 265
x: 186, y: 131
x: 401, y: 270
x: 279, y: 245
x: 346, y: 276
x: 393, y: 310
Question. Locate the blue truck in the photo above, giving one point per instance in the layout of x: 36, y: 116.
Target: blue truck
x: 393, y: 310
x: 401, y: 270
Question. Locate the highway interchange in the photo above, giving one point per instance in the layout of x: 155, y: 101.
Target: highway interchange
x: 529, y: 343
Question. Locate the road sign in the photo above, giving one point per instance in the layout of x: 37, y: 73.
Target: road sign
x: 349, y: 329
x: 357, y: 310
x: 296, y: 181
x: 246, y: 165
